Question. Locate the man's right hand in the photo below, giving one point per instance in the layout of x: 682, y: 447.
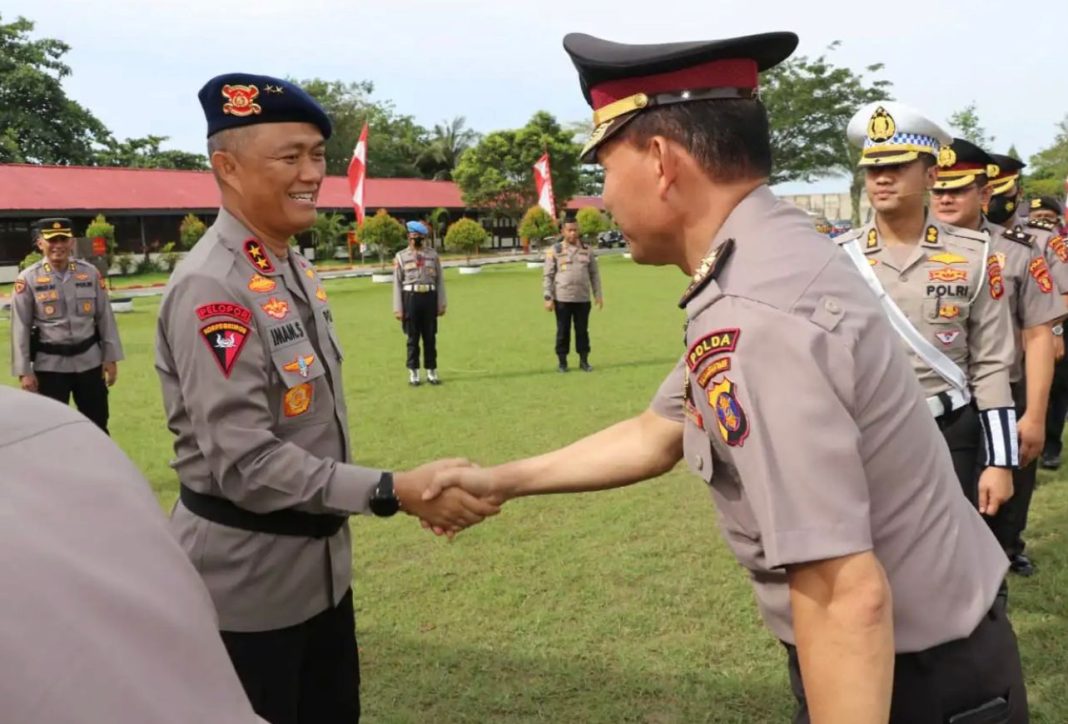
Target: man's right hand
x: 995, y: 489
x: 399, y: 316
x: 28, y: 382
x: 449, y: 512
x: 549, y: 306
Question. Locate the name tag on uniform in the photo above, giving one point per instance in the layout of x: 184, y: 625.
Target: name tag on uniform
x: 284, y: 335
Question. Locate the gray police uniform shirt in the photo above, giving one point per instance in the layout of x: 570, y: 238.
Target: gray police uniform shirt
x: 1029, y: 289
x: 570, y: 272
x: 951, y: 293
x: 102, y: 617
x: 419, y: 269
x: 803, y: 416
x: 250, y: 366
x: 67, y: 306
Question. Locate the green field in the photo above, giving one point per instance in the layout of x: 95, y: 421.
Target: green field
x: 619, y: 606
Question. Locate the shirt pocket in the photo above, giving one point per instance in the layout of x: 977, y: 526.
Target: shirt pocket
x: 85, y: 302
x: 947, y: 321
x: 697, y: 449
x: 297, y: 364
x: 49, y: 304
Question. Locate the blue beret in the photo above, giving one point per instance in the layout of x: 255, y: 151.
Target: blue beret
x: 417, y: 227
x: 233, y: 100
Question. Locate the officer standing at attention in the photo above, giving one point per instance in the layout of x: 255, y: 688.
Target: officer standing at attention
x: 249, y: 361
x: 959, y: 196
x: 570, y: 271
x: 64, y: 340
x: 941, y: 287
x: 103, y: 618
x: 1005, y: 205
x: 794, y: 402
x: 418, y: 301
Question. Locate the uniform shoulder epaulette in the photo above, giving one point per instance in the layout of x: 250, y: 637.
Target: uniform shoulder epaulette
x: 1043, y: 224
x: 848, y: 236
x: 978, y: 237
x: 1019, y: 236
x: 708, y: 270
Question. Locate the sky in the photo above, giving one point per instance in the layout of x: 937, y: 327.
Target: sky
x: 137, y: 65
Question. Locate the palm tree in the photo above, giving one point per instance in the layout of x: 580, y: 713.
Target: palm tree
x: 448, y: 140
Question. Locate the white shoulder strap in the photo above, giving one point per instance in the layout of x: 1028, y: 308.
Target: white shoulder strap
x: 946, y: 368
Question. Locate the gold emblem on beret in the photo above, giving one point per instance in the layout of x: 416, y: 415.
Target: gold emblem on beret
x: 1036, y: 203
x: 946, y: 157
x: 881, y: 127
x: 241, y: 100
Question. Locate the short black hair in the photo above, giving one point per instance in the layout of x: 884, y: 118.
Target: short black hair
x: 729, y: 138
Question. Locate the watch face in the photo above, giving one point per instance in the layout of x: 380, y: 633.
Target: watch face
x: 384, y: 506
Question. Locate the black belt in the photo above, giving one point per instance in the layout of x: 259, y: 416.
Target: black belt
x: 278, y: 522
x: 68, y: 350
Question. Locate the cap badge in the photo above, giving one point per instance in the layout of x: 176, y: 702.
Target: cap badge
x: 946, y: 157
x: 881, y: 127
x: 241, y: 100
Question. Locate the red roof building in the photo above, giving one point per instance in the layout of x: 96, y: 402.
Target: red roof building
x: 146, y: 205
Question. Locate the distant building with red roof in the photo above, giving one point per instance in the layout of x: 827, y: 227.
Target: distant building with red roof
x: 147, y: 205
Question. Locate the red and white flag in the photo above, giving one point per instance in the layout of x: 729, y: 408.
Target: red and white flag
x: 543, y: 184
x: 358, y: 173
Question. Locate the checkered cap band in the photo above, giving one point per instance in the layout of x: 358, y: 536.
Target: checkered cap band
x: 904, y: 140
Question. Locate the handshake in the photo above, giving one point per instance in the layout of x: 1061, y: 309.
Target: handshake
x: 449, y: 495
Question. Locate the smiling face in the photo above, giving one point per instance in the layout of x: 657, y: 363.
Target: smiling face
x: 274, y: 173
x: 56, y: 250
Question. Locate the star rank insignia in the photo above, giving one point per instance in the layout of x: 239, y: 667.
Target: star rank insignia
x: 257, y: 256
x: 707, y: 270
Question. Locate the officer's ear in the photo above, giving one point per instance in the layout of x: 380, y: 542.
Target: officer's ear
x: 665, y: 157
x: 985, y: 194
x: 224, y: 165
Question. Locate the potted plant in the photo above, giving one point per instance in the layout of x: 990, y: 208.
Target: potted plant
x: 466, y: 236
x: 536, y: 226
x: 385, y: 234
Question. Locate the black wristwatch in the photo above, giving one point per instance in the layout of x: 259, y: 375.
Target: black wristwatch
x: 384, y: 501
x: 548, y: 298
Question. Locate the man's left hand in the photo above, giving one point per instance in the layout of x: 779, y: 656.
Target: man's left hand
x: 995, y: 489
x: 1032, y: 438
x: 441, y: 311
x: 111, y: 372
x: 600, y: 302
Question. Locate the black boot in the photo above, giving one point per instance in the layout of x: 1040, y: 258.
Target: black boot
x: 584, y: 365
x: 562, y: 367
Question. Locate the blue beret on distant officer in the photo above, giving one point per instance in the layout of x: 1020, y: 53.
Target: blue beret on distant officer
x: 234, y: 100
x: 417, y: 227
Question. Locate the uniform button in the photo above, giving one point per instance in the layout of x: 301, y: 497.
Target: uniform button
x: 904, y: 277
x: 832, y: 306
x: 699, y: 462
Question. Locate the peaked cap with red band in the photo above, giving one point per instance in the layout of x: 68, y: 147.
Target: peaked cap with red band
x: 962, y: 163
x: 620, y: 80
x: 1008, y: 174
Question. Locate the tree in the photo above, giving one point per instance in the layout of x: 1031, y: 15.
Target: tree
x: 38, y: 122
x: 1013, y: 153
x: 537, y: 225
x: 591, y: 222
x: 466, y: 235
x: 190, y: 231
x: 146, y: 153
x: 810, y: 103
x: 395, y: 141
x: 329, y: 230
x: 383, y: 232
x: 498, y: 174
x: 439, y: 220
x: 591, y: 175
x: 1049, y: 167
x: 447, y: 142
x: 965, y: 123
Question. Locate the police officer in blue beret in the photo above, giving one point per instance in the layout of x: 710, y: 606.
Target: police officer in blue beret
x: 251, y: 369
x: 418, y: 301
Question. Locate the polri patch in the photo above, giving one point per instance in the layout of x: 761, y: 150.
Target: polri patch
x: 730, y: 416
x: 719, y: 342
x: 225, y: 340
x: 993, y: 271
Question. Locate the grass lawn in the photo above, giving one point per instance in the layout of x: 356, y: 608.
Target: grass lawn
x: 620, y: 606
